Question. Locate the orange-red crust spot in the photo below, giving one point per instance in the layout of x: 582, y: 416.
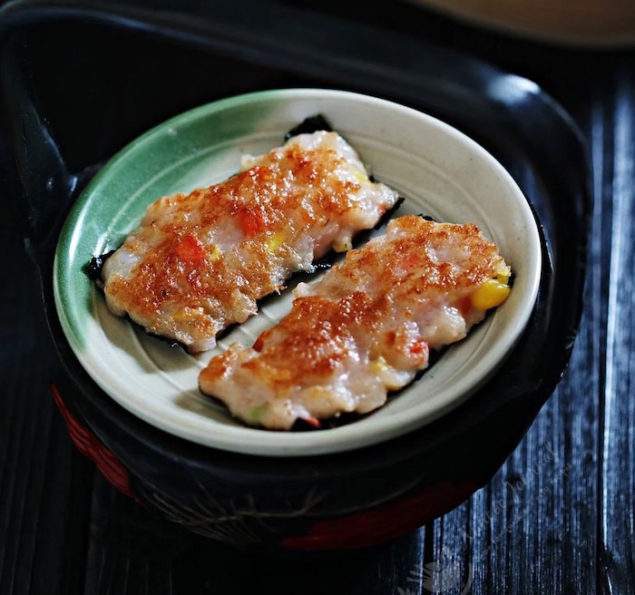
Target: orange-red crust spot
x: 190, y: 249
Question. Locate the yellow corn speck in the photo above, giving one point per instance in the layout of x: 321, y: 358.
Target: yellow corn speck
x: 181, y: 315
x: 188, y: 315
x: 214, y: 254
x: 490, y: 294
x: 391, y: 378
x: 275, y: 241
x: 503, y: 274
x: 342, y: 245
x: 379, y: 365
x: 361, y: 176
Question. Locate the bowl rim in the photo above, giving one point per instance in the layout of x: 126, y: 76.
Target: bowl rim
x: 348, y: 437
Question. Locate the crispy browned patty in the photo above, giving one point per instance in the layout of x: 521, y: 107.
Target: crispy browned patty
x: 200, y: 261
x: 365, y: 328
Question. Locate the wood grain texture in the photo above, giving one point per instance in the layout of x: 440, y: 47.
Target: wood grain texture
x: 616, y: 564
x: 557, y: 518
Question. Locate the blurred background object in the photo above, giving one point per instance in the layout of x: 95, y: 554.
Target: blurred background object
x: 609, y: 23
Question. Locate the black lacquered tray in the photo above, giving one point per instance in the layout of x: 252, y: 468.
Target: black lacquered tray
x: 141, y: 65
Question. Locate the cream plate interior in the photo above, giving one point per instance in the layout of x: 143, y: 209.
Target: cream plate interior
x: 440, y: 171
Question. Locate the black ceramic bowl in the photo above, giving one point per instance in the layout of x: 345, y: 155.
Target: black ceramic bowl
x: 344, y: 500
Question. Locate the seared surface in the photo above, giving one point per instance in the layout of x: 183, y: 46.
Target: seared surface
x: 200, y: 261
x: 365, y: 328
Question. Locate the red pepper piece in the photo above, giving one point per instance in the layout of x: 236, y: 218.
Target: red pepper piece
x: 251, y: 222
x: 419, y: 347
x: 190, y: 249
x: 312, y: 420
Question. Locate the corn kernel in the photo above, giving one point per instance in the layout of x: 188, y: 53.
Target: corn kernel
x: 188, y: 315
x: 275, y: 241
x: 489, y: 295
x: 342, y: 245
x: 391, y: 378
x: 503, y: 274
x: 181, y: 315
x: 361, y: 176
x: 379, y: 365
x: 214, y: 254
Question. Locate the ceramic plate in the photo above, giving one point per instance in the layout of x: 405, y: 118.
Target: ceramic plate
x: 439, y: 171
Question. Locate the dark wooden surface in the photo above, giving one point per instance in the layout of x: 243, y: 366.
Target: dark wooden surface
x: 557, y: 518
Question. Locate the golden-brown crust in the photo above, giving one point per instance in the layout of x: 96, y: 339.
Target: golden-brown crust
x: 289, y: 189
x: 400, y: 275
x: 311, y: 342
x: 415, y: 250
